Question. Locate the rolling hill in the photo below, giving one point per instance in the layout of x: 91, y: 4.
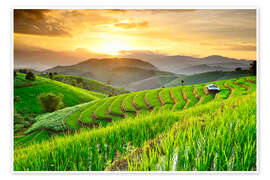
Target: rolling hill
x: 108, y: 69
x: 103, y: 111
x: 90, y: 84
x: 151, y: 130
x: 188, y: 65
x: 26, y: 93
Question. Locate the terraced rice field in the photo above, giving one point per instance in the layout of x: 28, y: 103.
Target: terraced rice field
x: 181, y: 128
x: 102, y: 112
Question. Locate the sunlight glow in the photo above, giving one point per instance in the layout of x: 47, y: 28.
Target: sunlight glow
x: 113, y: 47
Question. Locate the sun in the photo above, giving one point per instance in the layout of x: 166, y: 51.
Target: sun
x: 113, y: 47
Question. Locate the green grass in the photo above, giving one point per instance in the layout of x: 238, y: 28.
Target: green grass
x: 35, y: 137
x: 72, y: 121
x: 165, y: 95
x: 128, y: 102
x: 53, y: 121
x: 152, y: 98
x: 102, y: 111
x: 224, y: 140
x: 90, y: 84
x: 65, y: 119
x: 139, y: 99
x: 177, y: 93
x: 86, y: 115
x: 192, y: 99
x: 116, y: 105
x: 28, y: 103
x: 224, y: 92
x: 207, y: 77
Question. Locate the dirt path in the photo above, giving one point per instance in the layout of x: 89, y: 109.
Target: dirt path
x: 135, y: 105
x: 160, y: 99
x: 230, y: 88
x: 109, y: 112
x: 185, y: 98
x: 94, y: 117
x: 242, y: 85
x: 126, y: 110
x: 174, y: 100
x: 249, y: 80
x: 149, y: 106
x: 196, y: 95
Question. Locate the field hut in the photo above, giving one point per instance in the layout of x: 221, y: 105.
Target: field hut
x: 212, y: 88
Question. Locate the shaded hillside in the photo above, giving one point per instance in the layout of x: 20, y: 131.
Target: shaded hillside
x: 116, y: 71
x: 101, y: 69
x: 207, y: 77
x: 191, y: 65
x: 90, y: 84
x: 26, y: 94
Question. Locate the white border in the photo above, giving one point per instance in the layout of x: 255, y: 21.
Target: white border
x: 143, y: 172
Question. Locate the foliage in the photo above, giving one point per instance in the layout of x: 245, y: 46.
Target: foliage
x: 49, y: 102
x: 30, y: 76
x: 29, y: 103
x: 90, y: 84
x: 253, y: 68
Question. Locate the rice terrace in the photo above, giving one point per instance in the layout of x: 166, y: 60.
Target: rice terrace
x: 112, y: 107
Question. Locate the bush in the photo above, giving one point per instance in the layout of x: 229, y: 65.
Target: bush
x: 30, y: 76
x: 49, y: 102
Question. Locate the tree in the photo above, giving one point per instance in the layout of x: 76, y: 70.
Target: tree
x: 51, y: 75
x: 182, y: 82
x: 49, y: 102
x: 253, y: 67
x: 30, y: 76
x: 238, y: 69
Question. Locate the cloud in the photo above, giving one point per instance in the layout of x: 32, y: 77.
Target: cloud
x: 238, y: 47
x: 41, y: 58
x: 36, y: 22
x: 142, y: 24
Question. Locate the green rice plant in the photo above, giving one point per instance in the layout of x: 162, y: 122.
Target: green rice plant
x: 152, y: 97
x: 87, y: 114
x: 166, y: 107
x: 165, y: 95
x: 224, y: 141
x: 102, y: 111
x: 177, y: 93
x: 224, y: 92
x: 72, y: 121
x: 53, y: 121
x: 139, y: 99
x: 192, y: 99
x: 244, y: 81
x: 115, y: 107
x: 128, y: 102
x: 237, y: 90
x: 35, y: 137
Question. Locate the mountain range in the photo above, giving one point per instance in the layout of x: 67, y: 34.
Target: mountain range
x: 136, y: 74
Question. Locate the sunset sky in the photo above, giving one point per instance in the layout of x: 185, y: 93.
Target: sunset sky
x: 68, y: 36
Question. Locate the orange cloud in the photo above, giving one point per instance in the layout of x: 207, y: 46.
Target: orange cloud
x: 142, y: 24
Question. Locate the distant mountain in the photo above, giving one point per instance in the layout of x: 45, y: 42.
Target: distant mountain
x: 117, y: 71
x: 192, y: 65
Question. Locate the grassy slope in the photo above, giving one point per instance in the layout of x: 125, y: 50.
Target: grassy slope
x: 101, y: 107
x: 28, y: 103
x: 206, y: 77
x: 89, y: 84
x: 227, y: 141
